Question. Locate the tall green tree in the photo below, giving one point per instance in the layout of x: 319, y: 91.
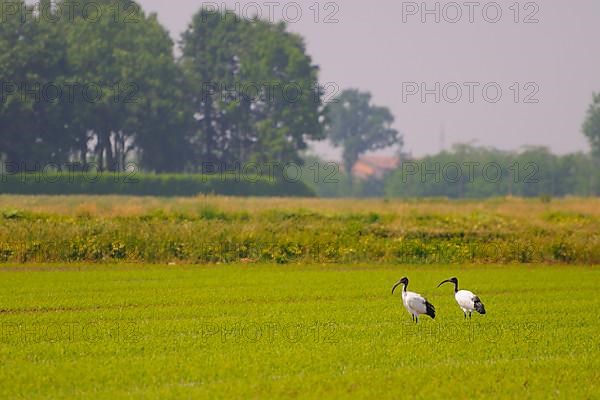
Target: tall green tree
x: 289, y: 109
x: 253, y: 90
x: 125, y: 58
x: 209, y: 67
x: 32, y: 69
x: 358, y: 126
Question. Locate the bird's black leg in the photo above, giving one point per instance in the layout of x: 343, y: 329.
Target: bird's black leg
x: 469, y: 314
x: 465, y: 314
x: 413, y: 317
x: 416, y: 319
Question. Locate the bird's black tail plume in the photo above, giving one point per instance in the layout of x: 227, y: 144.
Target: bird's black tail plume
x: 430, y: 309
x: 478, y: 305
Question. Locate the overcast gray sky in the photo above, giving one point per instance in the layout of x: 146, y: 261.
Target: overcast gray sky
x: 385, y: 47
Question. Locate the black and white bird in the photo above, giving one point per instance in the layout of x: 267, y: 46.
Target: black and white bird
x: 467, y: 301
x: 414, y: 303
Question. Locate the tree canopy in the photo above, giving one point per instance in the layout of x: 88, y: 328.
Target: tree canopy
x: 32, y: 65
x: 253, y: 88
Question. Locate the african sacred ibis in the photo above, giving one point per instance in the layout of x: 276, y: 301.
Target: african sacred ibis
x: 467, y: 301
x: 414, y: 303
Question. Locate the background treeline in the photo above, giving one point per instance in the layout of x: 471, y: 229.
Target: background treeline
x: 470, y: 172
x: 476, y: 172
x: 99, y: 84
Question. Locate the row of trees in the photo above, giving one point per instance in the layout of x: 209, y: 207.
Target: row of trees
x: 463, y: 172
x: 106, y: 88
x: 470, y: 172
x: 478, y: 172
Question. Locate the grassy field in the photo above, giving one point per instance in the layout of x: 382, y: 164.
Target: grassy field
x: 261, y: 331
x: 216, y: 297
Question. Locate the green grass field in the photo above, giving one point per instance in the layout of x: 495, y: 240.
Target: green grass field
x: 262, y: 331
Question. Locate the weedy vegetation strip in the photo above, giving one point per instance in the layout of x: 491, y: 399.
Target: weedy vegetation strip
x: 226, y: 230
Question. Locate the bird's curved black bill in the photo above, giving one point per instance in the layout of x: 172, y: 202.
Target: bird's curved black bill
x: 395, y: 286
x: 446, y: 281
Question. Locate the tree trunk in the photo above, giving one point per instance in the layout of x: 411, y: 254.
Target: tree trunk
x: 83, y: 155
x: 209, y: 131
x: 100, y: 150
x: 349, y: 163
x: 110, y: 159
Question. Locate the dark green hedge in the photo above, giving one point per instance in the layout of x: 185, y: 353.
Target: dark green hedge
x: 147, y: 185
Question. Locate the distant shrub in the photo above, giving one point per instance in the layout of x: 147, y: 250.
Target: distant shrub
x: 545, y: 198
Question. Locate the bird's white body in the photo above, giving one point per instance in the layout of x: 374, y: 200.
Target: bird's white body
x: 414, y: 303
x: 464, y: 298
x: 467, y: 301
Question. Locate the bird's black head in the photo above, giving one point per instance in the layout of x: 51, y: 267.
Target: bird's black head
x: 403, y: 281
x: 451, y: 280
